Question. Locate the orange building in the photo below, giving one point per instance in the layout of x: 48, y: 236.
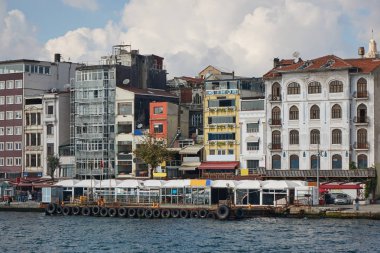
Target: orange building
x: 163, y: 120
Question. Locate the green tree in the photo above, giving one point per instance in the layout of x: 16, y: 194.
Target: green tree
x: 53, y: 164
x: 152, y: 152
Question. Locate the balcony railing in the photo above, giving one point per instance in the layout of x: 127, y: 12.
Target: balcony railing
x: 275, y: 146
x: 360, y: 94
x: 361, y: 145
x: 173, y: 163
x: 361, y: 120
x: 275, y: 122
x: 274, y: 98
x: 253, y: 148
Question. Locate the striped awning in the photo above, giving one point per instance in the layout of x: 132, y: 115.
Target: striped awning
x: 191, y: 150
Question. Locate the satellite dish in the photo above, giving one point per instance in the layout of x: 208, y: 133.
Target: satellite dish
x: 296, y: 54
x: 139, y: 125
x: 126, y: 81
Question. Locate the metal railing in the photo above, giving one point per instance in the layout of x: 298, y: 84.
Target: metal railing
x: 361, y: 145
x: 274, y: 98
x: 361, y: 120
x: 360, y: 94
x: 275, y: 122
x: 275, y: 146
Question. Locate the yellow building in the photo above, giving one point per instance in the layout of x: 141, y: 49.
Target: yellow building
x: 221, y: 126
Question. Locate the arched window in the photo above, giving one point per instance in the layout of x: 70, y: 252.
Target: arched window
x: 336, y: 162
x: 293, y: 113
x: 361, y: 88
x: 361, y: 114
x: 314, y: 88
x: 362, y: 161
x: 314, y: 136
x: 294, y: 137
x: 294, y: 162
x: 362, y: 138
x: 276, y: 90
x: 336, y: 112
x: 197, y: 99
x: 314, y: 162
x: 276, y: 137
x: 276, y: 116
x: 336, y: 136
x: 276, y: 162
x: 336, y: 86
x: 294, y: 88
x: 314, y: 112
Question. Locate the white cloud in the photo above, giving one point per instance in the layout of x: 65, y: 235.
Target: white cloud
x: 91, y: 5
x: 239, y: 35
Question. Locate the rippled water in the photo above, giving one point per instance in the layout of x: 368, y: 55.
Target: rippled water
x: 35, y: 232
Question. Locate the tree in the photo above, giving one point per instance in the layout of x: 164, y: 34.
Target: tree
x: 53, y: 164
x: 152, y: 152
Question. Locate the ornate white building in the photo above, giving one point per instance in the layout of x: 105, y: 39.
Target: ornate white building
x: 321, y: 113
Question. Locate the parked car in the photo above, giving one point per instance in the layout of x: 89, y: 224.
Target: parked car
x: 342, y: 199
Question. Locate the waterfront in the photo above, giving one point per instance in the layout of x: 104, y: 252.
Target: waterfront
x: 35, y: 232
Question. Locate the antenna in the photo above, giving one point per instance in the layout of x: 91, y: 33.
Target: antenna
x: 296, y: 54
x: 126, y: 81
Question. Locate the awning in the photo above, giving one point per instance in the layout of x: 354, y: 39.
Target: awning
x: 191, y: 150
x: 252, y: 139
x: 187, y: 166
x: 340, y: 186
x: 218, y: 165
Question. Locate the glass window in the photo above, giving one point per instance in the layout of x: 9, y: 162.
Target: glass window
x: 18, y: 84
x: 293, y: 113
x: 294, y: 162
x: 252, y: 146
x: 252, y: 105
x: 9, y: 130
x: 9, y: 146
x: 50, y: 110
x: 276, y: 162
x: 1, y: 115
x: 294, y: 88
x: 314, y: 112
x: 362, y: 161
x: 314, y: 162
x: 158, y: 110
x: 2, y: 100
x: 9, y: 100
x: 314, y: 137
x: 336, y: 136
x: 50, y: 129
x: 2, y: 85
x: 336, y: 162
x: 294, y: 137
x: 252, y: 164
x: 17, y: 130
x: 158, y: 128
x: 336, y: 112
x: 252, y: 127
x: 10, y: 84
x: 18, y: 115
x: 9, y: 115
x: 336, y: 86
x: 276, y: 90
x: 314, y: 88
x: 18, y: 99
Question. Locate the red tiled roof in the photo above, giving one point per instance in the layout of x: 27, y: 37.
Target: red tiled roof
x: 365, y: 65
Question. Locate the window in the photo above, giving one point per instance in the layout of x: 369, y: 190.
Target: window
x: 212, y: 151
x: 293, y: 113
x: 50, y: 110
x: 9, y: 115
x: 1, y: 115
x: 1, y: 146
x: 158, y: 110
x: 252, y: 127
x: 276, y: 162
x: 314, y: 137
x: 2, y: 85
x: 50, y: 129
x: 33, y: 160
x: 294, y: 162
x: 18, y: 84
x: 221, y: 152
x: 314, y: 112
x: 221, y: 136
x: 314, y: 162
x: 336, y: 86
x: 361, y: 88
x: 124, y: 108
x: 17, y: 145
x: 10, y: 100
x: 336, y: 136
x: 9, y: 146
x: 1, y: 130
x: 294, y: 88
x: 252, y: 146
x: 314, y: 88
x: 18, y: 115
x: 252, y: 105
x: 33, y: 119
x: 276, y: 90
x: 9, y: 161
x: 336, y: 162
x: 362, y: 138
x: 17, y: 161
x: 336, y: 112
x: 17, y: 130
x: 294, y: 137
x: 197, y: 99
x: 18, y: 99
x: 9, y: 131
x: 276, y: 116
x: 10, y: 84
x: 221, y: 103
x: 158, y: 128
x: 362, y: 161
x: 230, y: 151
x: 50, y: 149
x: 252, y: 164
x: 33, y: 139
x: 221, y: 120
x: 361, y: 116
x: 2, y: 100
x: 1, y: 161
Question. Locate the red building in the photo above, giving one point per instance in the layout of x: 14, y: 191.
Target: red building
x: 163, y: 121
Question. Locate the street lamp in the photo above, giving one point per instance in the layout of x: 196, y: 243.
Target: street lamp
x: 319, y: 154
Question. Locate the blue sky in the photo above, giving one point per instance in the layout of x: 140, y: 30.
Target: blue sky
x: 239, y: 35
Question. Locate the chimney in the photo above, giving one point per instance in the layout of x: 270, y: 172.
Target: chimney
x: 361, y: 52
x: 276, y: 62
x: 233, y: 74
x: 57, y: 57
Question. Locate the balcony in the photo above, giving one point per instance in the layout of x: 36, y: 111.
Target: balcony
x: 360, y: 95
x: 361, y: 120
x: 361, y: 146
x: 274, y: 98
x: 275, y: 122
x: 124, y: 156
x: 275, y: 146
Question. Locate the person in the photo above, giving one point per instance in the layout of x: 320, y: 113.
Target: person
x: 9, y: 201
x: 357, y: 203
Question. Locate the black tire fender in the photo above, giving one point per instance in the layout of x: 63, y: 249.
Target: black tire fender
x: 86, y: 211
x: 223, y: 212
x: 76, y: 210
x: 66, y: 210
x: 184, y: 213
x: 122, y: 212
x: 132, y: 212
x: 104, y: 212
x: 148, y: 213
x: 96, y: 210
x: 112, y: 212
x: 203, y: 213
x: 174, y: 213
x: 156, y: 213
x: 165, y: 213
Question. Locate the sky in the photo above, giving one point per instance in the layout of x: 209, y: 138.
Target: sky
x: 240, y: 35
